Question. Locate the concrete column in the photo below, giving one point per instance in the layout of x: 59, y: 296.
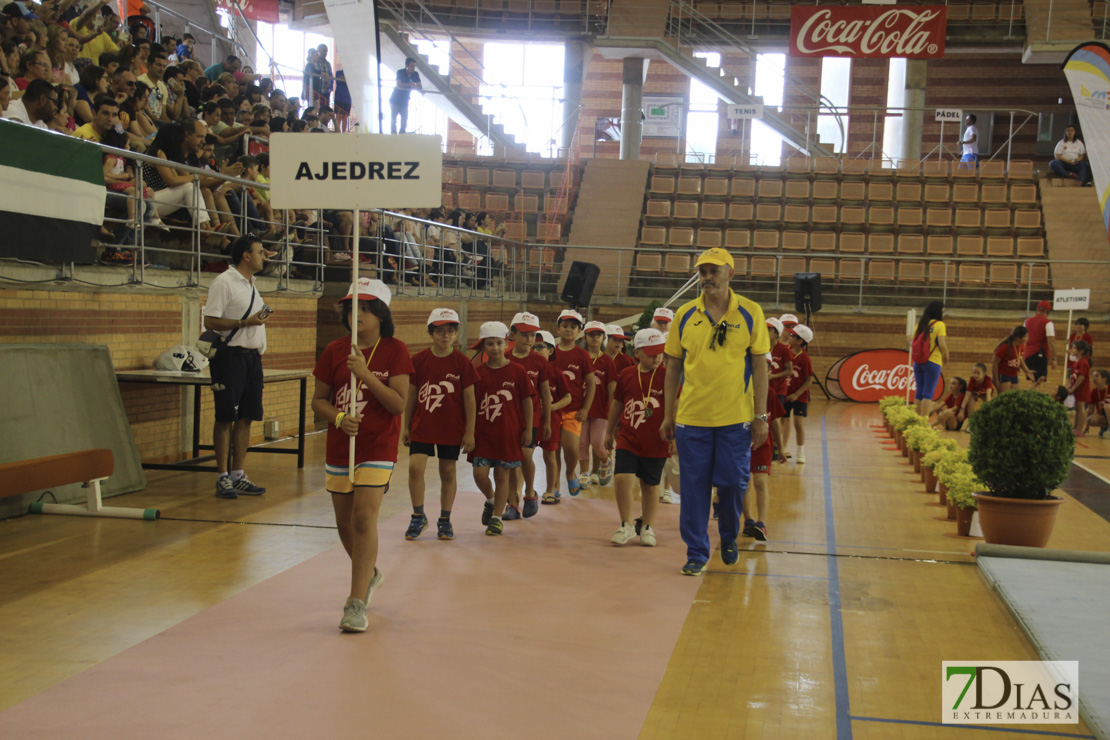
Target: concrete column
x: 913, y: 121
x: 574, y: 74
x: 632, y: 108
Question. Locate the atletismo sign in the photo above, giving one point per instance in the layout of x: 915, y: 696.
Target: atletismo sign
x: 869, y: 31
x: 873, y: 374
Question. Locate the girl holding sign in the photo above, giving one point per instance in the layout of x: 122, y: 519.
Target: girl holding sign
x: 377, y: 367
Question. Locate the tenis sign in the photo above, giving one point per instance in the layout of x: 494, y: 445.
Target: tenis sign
x: 913, y: 32
x: 873, y: 374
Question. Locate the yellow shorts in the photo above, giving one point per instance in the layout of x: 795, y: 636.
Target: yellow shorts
x: 572, y: 425
x: 374, y: 474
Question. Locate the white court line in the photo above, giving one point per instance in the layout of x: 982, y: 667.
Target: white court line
x: 1102, y: 478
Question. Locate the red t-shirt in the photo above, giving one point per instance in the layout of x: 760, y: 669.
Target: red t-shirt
x: 955, y: 400
x: 440, y: 416
x: 1009, y: 360
x: 1082, y: 370
x: 380, y: 430
x: 605, y: 370
x: 575, y: 364
x: 1098, y: 398
x: 559, y: 388
x: 979, y: 389
x: 780, y: 355
x: 639, y: 433
x: 774, y: 411
x: 1036, y: 340
x: 622, y: 361
x: 536, y: 367
x: 1077, y: 337
x: 500, y: 422
x: 803, y: 368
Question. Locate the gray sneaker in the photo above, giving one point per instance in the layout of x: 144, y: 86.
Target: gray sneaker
x: 225, y: 488
x: 354, y: 616
x: 622, y: 535
x: 375, y: 583
x: 647, y: 537
x: 245, y: 487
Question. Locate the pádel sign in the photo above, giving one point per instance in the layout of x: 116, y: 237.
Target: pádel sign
x: 873, y: 374
x: 913, y: 32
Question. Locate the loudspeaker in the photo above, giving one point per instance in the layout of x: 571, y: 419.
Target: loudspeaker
x: 807, y: 292
x: 579, y: 286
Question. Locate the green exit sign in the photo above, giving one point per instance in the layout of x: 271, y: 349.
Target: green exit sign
x: 658, y: 112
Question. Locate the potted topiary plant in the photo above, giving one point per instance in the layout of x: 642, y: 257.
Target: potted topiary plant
x: 962, y: 485
x: 946, y: 468
x: 920, y: 438
x: 1022, y: 446
x: 942, y: 448
x: 902, y: 419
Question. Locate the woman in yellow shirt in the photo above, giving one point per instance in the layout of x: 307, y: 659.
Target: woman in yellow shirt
x: 927, y: 374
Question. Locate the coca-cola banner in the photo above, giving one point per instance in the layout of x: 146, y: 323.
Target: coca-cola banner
x: 870, y: 31
x: 872, y: 374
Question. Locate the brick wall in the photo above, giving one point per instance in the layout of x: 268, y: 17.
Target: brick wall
x: 137, y: 327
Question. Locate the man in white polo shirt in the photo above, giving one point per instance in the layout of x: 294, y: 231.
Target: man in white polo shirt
x: 235, y: 309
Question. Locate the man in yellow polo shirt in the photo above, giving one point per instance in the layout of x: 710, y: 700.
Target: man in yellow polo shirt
x: 715, y: 350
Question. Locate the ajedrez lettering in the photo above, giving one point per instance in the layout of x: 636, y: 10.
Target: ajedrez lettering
x: 359, y: 171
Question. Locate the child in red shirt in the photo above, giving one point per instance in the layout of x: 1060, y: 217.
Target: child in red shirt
x: 1007, y: 363
x: 980, y: 389
x: 574, y: 362
x: 779, y: 373
x: 1098, y: 401
x: 1082, y: 333
x: 755, y: 508
x: 615, y: 339
x: 439, y: 419
x: 797, y: 390
x: 522, y: 333
x: 951, y: 405
x: 593, y: 428
x: 641, y: 452
x: 381, y: 367
x: 560, y: 398
x: 504, y: 424
x: 1080, y: 385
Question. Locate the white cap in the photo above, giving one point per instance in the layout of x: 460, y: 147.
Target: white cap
x: 525, y: 321
x: 663, y: 314
x: 775, y: 324
x: 370, y: 288
x: 441, y: 316
x: 595, y: 326
x: 493, y: 330
x: 803, y: 332
x: 547, y: 337
x: 571, y: 314
x: 650, y: 341
x: 615, y: 330
x: 788, y: 318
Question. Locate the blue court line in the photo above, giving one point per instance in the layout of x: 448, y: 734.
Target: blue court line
x: 988, y: 728
x: 825, y: 544
x: 836, y: 621
x: 765, y: 575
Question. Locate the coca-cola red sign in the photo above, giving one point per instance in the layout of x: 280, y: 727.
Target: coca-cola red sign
x: 870, y: 31
x: 873, y: 374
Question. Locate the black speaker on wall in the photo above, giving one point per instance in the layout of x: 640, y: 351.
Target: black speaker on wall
x: 579, y: 286
x: 807, y: 292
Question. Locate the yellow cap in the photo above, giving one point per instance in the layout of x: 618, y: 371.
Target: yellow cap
x: 715, y: 256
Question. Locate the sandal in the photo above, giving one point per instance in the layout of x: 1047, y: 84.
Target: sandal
x: 550, y: 498
x: 573, y: 486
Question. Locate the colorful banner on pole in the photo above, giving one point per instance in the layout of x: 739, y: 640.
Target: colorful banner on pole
x: 354, y: 25
x: 1088, y: 71
x: 863, y: 31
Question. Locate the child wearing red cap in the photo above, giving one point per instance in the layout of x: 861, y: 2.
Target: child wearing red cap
x: 522, y: 333
x: 439, y: 419
x: 641, y: 452
x: 381, y: 368
x: 560, y: 398
x: 575, y: 364
x: 593, y: 428
x: 504, y: 424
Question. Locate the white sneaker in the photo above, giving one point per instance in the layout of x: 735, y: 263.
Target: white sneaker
x: 665, y: 497
x: 375, y: 583
x: 584, y: 480
x: 623, y: 535
x: 594, y: 480
x: 801, y: 458
x: 354, y: 616
x: 647, y: 537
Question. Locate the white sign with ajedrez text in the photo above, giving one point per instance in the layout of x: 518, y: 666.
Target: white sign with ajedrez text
x: 948, y: 114
x: 1071, y: 300
x: 355, y: 171
x: 752, y: 110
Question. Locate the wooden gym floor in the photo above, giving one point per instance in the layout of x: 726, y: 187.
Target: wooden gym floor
x: 834, y: 628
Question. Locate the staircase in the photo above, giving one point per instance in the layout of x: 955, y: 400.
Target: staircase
x: 607, y: 214
x: 1053, y: 28
x: 647, y: 31
x: 1074, y: 231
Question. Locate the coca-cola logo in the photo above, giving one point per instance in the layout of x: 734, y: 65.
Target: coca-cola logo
x: 873, y: 374
x: 866, y: 31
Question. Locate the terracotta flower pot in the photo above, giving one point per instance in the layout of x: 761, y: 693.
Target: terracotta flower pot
x: 951, y: 511
x: 905, y: 448
x: 963, y: 521
x: 915, y: 458
x: 1014, y: 521
x: 930, y: 479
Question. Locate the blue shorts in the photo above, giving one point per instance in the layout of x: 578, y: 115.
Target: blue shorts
x: 926, y: 375
x: 970, y: 158
x: 797, y: 408
x: 489, y: 462
x: 1013, y: 379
